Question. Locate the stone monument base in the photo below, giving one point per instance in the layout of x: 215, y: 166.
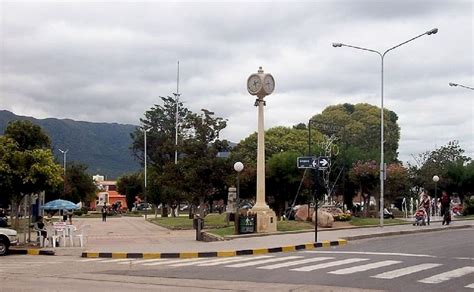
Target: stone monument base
x: 266, y: 220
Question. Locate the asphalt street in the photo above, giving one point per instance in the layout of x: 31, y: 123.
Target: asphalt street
x: 437, y: 261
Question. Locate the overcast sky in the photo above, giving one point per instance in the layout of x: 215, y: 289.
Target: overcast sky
x: 110, y: 61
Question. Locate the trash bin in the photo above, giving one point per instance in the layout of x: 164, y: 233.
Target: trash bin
x: 247, y: 223
x: 198, y: 225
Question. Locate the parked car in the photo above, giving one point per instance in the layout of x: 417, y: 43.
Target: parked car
x: 7, y: 238
x: 142, y: 206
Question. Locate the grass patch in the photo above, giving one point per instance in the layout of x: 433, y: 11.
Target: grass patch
x: 293, y: 225
x: 360, y: 221
x: 211, y: 221
x: 224, y: 231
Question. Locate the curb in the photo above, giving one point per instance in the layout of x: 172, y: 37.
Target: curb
x: 184, y: 255
x: 32, y: 251
x: 404, y: 232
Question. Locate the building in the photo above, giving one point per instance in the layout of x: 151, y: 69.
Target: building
x: 107, y: 194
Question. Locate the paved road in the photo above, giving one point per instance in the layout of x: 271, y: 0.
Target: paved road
x: 438, y: 261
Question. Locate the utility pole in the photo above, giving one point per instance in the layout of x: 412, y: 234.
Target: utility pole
x: 64, y: 152
x: 176, y: 96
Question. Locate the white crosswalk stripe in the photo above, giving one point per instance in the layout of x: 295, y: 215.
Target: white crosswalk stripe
x: 171, y: 261
x: 363, y: 268
x: 92, y: 260
x: 470, y: 286
x: 116, y: 261
x: 294, y: 263
x: 143, y: 261
x: 241, y: 265
x: 405, y: 271
x: 439, y: 278
x: 217, y: 262
x: 328, y: 265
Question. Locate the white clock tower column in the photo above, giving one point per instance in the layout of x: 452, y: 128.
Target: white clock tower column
x: 261, y: 85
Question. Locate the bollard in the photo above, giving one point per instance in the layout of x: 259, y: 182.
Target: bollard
x: 198, y: 224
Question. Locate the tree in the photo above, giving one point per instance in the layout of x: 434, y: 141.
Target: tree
x: 440, y: 162
x: 397, y: 183
x: 131, y: 186
x: 79, y: 185
x: 28, y: 166
x: 277, y: 139
x: 161, y: 119
x: 284, y: 178
x: 359, y: 126
x: 365, y: 175
x: 28, y: 135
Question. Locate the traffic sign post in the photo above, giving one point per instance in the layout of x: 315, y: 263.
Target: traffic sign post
x: 323, y: 162
x: 307, y: 162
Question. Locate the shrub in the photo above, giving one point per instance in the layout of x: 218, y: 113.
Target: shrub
x: 78, y: 212
x: 342, y: 217
x: 84, y: 210
x: 468, y: 208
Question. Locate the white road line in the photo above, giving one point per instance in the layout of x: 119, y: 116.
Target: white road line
x: 363, y: 268
x: 171, y: 261
x: 448, y: 275
x: 372, y: 253
x: 241, y: 265
x: 144, y: 261
x: 231, y: 260
x: 405, y: 271
x: 295, y: 263
x: 117, y: 261
x: 92, y: 260
x: 468, y: 286
x: 328, y: 265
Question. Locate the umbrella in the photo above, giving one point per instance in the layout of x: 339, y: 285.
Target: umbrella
x: 59, y: 205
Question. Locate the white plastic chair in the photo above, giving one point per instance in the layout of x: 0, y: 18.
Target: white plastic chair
x: 41, y: 238
x: 81, y: 234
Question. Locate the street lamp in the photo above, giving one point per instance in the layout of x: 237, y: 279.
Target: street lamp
x: 436, y: 179
x: 176, y: 97
x: 64, y: 152
x: 238, y: 166
x: 460, y: 85
x: 144, y: 154
x: 382, y: 56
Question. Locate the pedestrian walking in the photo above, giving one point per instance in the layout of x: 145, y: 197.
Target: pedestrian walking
x: 445, y: 208
x: 104, y: 213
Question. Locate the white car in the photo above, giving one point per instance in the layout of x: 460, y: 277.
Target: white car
x: 7, y: 238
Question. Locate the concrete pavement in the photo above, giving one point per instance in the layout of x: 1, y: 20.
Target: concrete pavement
x: 135, y: 235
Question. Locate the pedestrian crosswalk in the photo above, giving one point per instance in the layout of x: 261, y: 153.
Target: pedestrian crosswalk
x: 331, y: 265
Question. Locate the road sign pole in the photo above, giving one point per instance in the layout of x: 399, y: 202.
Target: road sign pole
x: 316, y: 209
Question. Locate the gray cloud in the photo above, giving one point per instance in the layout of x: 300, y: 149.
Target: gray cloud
x: 111, y: 61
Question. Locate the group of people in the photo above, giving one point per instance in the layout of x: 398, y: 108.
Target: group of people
x: 423, y: 213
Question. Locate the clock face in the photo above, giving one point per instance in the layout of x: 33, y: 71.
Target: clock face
x: 254, y: 84
x: 268, y: 84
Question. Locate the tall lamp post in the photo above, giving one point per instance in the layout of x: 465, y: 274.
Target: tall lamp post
x: 460, y: 85
x: 382, y: 56
x: 144, y: 154
x: 176, y: 97
x: 436, y: 179
x: 238, y: 166
x: 64, y: 152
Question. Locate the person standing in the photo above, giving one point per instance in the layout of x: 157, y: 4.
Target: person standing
x: 104, y: 213
x: 445, y: 208
x: 426, y: 204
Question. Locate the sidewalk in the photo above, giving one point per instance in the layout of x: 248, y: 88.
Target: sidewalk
x: 135, y: 235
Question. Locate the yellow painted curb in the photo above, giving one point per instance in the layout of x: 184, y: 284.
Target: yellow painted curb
x: 326, y: 243
x: 226, y: 253
x: 289, y: 248
x: 260, y: 251
x: 119, y: 255
x: 33, y: 252
x: 187, y: 255
x: 151, y: 255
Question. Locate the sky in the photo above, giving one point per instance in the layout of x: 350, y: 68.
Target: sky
x: 110, y: 61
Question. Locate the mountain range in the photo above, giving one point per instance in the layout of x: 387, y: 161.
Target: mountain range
x: 103, y: 147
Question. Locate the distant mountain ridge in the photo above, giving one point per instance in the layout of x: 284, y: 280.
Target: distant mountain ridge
x: 104, y: 147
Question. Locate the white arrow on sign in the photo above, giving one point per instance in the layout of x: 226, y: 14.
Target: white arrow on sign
x: 323, y: 162
x: 315, y: 163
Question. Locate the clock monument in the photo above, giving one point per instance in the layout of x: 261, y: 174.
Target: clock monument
x: 261, y: 85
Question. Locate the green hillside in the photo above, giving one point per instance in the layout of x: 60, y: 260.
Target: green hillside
x: 104, y: 147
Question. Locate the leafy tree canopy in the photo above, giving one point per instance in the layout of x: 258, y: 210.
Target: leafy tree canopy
x: 28, y: 135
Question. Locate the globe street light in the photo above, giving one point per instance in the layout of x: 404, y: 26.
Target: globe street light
x: 382, y: 56
x: 238, y: 166
x: 460, y: 85
x: 436, y: 179
x: 64, y: 152
x: 144, y: 157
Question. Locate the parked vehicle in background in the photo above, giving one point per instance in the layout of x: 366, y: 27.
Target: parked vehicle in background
x: 7, y: 238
